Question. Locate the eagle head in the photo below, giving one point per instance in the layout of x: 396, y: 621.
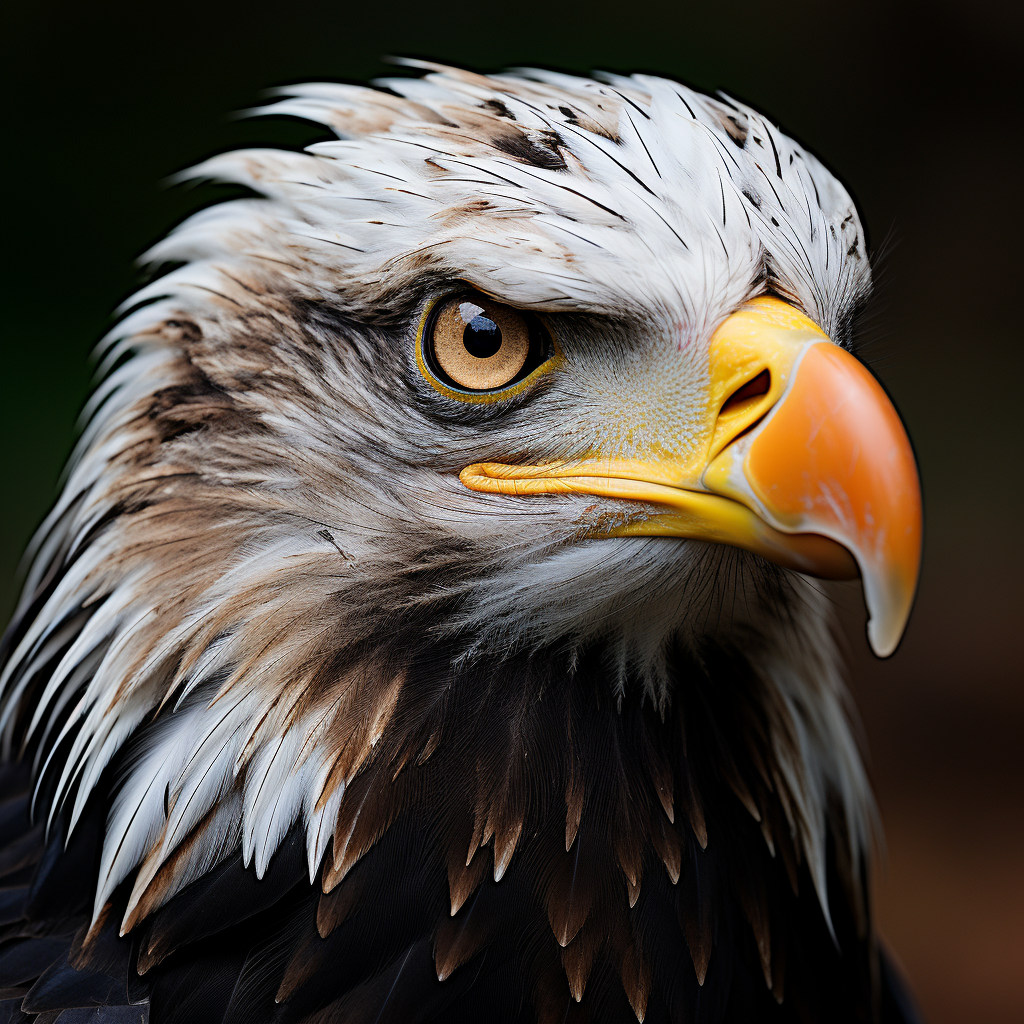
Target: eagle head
x: 441, y: 538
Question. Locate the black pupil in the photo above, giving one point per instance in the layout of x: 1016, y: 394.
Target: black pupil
x: 482, y: 337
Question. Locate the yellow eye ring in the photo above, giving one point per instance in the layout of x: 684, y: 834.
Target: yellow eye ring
x: 474, y: 349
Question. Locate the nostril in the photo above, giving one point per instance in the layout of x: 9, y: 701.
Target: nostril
x: 755, y: 388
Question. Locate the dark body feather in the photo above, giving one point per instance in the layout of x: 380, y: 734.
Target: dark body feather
x: 654, y: 811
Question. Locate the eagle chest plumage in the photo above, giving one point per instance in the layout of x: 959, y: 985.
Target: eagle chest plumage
x: 424, y: 630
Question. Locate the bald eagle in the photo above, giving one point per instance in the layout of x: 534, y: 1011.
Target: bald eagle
x: 427, y: 628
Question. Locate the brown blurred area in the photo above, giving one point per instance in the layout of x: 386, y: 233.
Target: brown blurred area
x: 913, y: 108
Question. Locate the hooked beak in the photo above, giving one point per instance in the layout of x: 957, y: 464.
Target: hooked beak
x: 806, y: 463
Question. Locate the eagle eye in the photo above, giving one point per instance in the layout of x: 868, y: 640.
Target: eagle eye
x: 474, y: 346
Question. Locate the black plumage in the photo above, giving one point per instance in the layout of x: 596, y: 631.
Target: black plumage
x: 234, y: 948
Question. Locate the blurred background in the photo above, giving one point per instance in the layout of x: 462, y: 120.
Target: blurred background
x: 911, y: 107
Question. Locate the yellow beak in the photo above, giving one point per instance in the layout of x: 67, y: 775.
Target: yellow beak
x: 806, y: 463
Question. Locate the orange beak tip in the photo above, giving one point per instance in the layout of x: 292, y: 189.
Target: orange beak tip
x: 833, y: 458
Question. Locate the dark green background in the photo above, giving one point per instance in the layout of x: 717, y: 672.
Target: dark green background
x: 914, y: 109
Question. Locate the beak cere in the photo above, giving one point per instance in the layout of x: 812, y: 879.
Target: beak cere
x: 807, y: 464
